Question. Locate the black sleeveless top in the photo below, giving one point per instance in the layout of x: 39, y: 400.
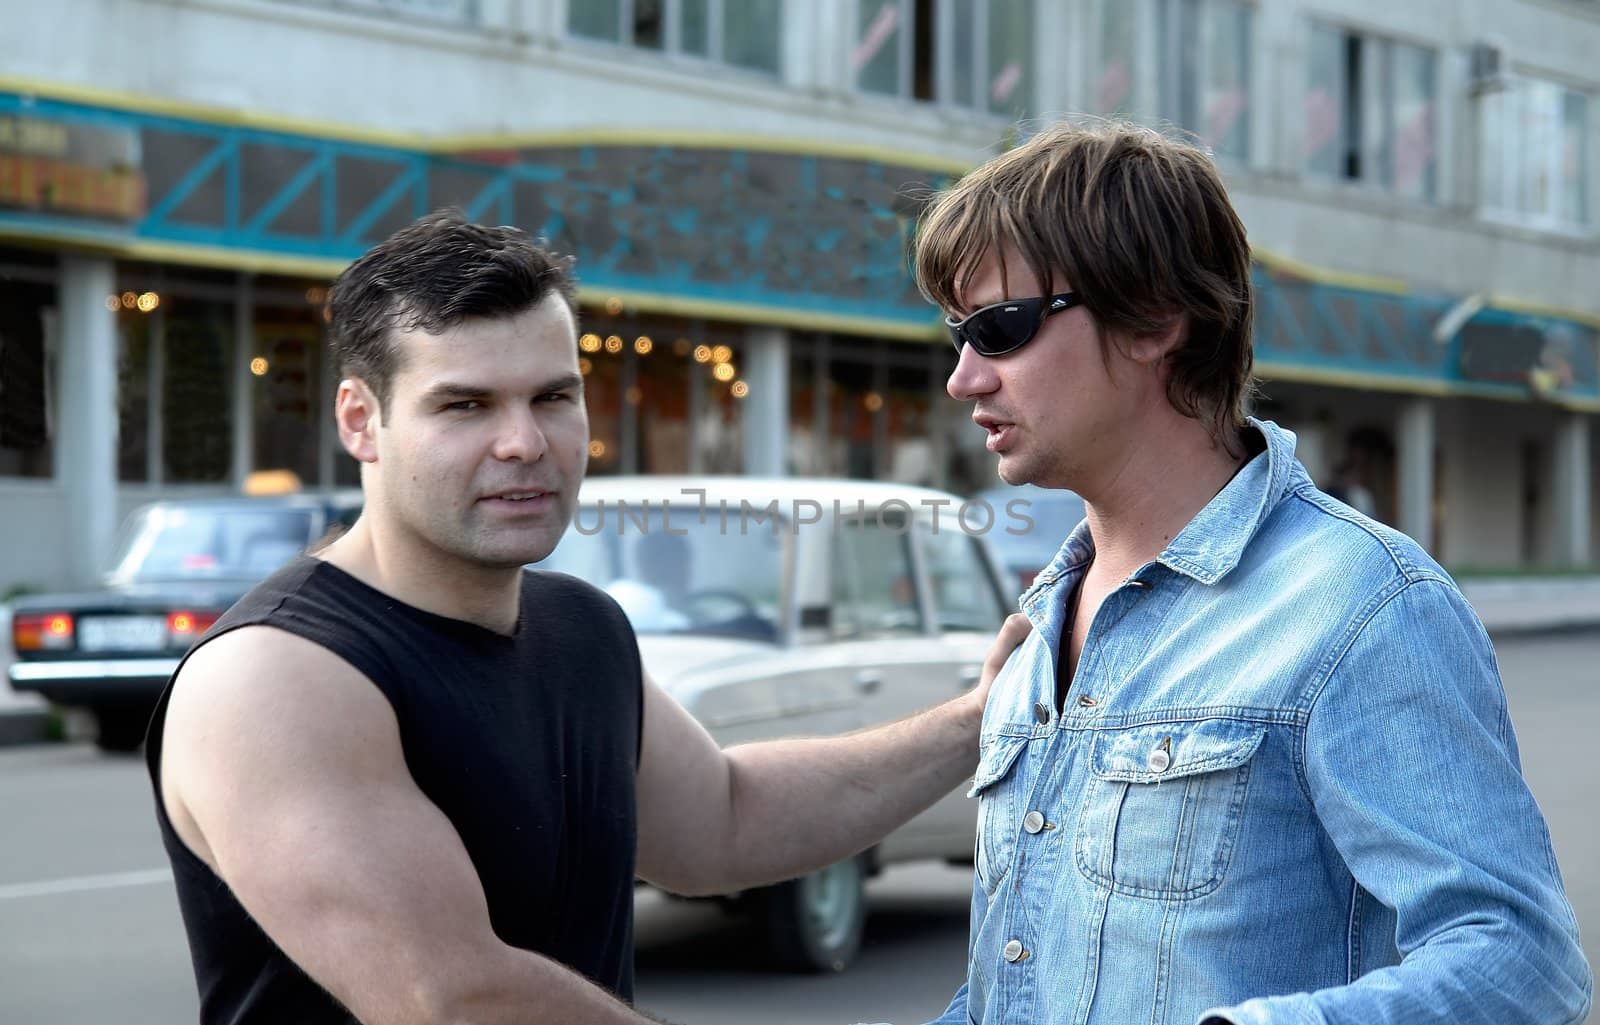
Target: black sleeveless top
x: 529, y: 744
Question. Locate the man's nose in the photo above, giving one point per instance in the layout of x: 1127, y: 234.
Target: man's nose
x: 973, y: 376
x: 520, y: 438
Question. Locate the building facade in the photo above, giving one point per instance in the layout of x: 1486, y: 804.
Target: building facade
x: 738, y: 180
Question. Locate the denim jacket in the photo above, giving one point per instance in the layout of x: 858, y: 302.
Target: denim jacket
x: 1284, y: 788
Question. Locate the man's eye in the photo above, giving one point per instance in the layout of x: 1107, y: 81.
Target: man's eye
x: 555, y: 396
x: 464, y: 405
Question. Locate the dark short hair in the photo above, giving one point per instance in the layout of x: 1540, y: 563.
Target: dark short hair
x: 1139, y: 225
x: 431, y: 275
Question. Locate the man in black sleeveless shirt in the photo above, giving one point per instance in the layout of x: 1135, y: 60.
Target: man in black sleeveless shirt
x: 406, y: 780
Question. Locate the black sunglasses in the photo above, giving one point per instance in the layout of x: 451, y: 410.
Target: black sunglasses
x: 1003, y: 327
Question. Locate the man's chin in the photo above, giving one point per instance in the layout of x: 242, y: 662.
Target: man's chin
x: 1016, y: 472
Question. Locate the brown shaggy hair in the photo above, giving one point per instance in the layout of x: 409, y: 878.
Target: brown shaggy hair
x: 1138, y: 224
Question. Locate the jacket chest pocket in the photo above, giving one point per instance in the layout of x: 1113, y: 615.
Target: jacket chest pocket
x: 1163, y: 806
x: 999, y: 791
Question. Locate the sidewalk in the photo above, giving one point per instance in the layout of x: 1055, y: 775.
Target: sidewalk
x: 1507, y: 606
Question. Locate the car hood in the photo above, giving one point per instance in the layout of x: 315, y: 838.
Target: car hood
x: 674, y: 659
x: 205, y: 594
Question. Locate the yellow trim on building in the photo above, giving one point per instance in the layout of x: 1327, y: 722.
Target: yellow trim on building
x: 1514, y: 305
x: 183, y: 254
x: 1269, y: 371
x: 701, y: 140
x: 652, y: 302
x: 141, y: 104
x: 416, y: 141
x: 1323, y: 276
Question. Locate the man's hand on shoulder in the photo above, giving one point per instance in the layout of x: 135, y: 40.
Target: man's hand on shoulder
x: 1010, y: 637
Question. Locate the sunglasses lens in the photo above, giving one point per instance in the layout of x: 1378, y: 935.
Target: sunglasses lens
x: 1003, y: 327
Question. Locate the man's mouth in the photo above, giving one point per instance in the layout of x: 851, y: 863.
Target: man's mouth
x: 1001, y: 432
x: 517, y: 497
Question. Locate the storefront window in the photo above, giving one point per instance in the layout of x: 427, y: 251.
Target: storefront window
x: 805, y: 458
x: 719, y: 433
x: 853, y: 406
x: 197, y: 434
x: 907, y: 402
x: 662, y: 367
x: 600, y: 361
x: 26, y: 378
x: 286, y: 374
x: 136, y: 332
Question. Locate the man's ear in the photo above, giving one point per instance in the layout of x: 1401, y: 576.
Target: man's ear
x: 1152, y: 350
x: 357, y: 415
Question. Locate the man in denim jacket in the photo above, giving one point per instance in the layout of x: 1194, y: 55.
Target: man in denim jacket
x: 1253, y: 764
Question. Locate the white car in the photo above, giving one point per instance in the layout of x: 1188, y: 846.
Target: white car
x: 784, y: 607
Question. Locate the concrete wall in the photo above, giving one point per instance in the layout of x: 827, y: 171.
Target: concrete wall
x: 516, y: 72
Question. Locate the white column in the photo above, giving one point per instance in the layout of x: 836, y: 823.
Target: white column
x: 766, y: 411
x: 86, y: 454
x: 1416, y: 433
x: 1572, y: 490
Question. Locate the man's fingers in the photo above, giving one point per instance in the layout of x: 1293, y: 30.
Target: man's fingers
x: 1012, y: 633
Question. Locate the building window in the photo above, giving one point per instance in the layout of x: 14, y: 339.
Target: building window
x: 1205, y: 71
x: 743, y: 33
x: 1370, y: 112
x: 976, y: 54
x: 1534, y: 154
x: 27, y: 372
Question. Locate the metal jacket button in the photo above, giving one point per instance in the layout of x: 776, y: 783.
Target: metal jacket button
x: 1041, y: 712
x: 1014, y: 951
x: 1033, y: 822
x: 1158, y: 760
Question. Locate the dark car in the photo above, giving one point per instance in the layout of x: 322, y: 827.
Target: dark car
x: 180, y: 565
x: 1030, y: 525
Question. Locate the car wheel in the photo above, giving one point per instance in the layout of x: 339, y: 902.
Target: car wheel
x: 119, y: 730
x: 814, y: 923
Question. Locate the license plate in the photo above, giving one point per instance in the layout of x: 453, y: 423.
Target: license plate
x: 122, y: 633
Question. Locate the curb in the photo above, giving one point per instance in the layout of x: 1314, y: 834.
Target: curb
x: 24, y: 726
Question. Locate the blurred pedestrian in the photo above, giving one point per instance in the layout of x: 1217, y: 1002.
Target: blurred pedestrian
x: 1253, y: 764
x: 405, y: 780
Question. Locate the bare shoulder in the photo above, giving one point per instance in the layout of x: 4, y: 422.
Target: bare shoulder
x: 259, y: 709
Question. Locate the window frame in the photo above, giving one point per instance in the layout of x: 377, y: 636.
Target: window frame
x: 1377, y: 90
x: 672, y: 36
x: 1192, y: 41
x: 1514, y: 155
x: 947, y: 41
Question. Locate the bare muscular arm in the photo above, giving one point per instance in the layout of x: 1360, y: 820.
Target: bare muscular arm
x: 282, y: 769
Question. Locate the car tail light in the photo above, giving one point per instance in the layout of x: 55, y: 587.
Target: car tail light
x: 42, y: 631
x: 184, y: 628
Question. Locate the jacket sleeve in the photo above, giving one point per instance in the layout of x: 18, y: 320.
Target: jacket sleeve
x: 1411, y: 764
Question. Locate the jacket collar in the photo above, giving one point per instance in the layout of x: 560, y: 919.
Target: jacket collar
x: 1211, y: 545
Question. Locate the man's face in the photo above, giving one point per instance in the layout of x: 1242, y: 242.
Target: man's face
x: 1051, y: 406
x: 486, y: 437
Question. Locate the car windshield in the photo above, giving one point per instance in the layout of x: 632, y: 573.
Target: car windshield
x: 694, y: 578
x: 200, y: 542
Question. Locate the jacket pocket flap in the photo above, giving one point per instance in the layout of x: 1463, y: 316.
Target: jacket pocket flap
x: 995, y: 761
x: 1163, y: 751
